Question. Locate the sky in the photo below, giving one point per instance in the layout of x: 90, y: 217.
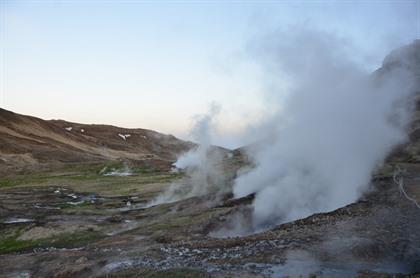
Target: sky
x: 158, y: 64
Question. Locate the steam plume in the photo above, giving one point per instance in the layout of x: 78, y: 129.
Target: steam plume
x: 336, y: 127
x: 203, y: 165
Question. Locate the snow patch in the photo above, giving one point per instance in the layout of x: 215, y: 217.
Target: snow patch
x: 68, y: 128
x: 124, y: 136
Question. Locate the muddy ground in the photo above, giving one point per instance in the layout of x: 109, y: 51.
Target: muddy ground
x: 81, y: 222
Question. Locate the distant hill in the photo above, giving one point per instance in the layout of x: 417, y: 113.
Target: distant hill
x: 27, y: 141
x: 405, y: 58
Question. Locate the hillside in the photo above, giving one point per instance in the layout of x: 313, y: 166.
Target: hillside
x: 405, y: 58
x: 29, y: 142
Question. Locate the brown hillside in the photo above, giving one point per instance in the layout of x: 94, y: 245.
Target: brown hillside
x: 27, y: 141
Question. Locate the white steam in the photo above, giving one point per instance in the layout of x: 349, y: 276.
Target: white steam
x: 202, y: 165
x: 337, y: 125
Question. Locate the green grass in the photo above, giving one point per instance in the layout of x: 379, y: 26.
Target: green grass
x: 83, y: 173
x: 22, y: 179
x: 6, y: 183
x: 83, y: 204
x: 72, y: 240
x: 10, y: 243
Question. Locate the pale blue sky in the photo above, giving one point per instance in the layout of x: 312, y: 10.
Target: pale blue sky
x: 155, y: 64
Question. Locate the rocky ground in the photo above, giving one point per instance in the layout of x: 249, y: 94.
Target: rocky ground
x: 90, y: 221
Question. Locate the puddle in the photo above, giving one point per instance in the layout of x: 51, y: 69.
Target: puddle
x: 38, y: 206
x: 91, y: 198
x: 22, y: 274
x: 18, y: 220
x: 76, y: 203
x: 131, y: 207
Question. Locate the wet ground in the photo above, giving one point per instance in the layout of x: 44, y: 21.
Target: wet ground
x: 81, y: 223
